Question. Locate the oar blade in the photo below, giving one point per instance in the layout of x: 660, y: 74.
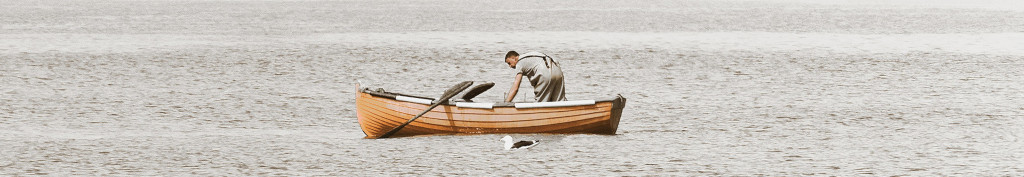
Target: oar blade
x: 455, y: 90
x: 476, y: 90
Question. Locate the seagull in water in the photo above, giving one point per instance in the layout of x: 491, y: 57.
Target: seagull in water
x: 510, y: 145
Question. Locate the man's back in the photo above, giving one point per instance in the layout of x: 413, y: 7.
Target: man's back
x: 545, y: 76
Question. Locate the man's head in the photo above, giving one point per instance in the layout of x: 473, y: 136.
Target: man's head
x: 511, y: 58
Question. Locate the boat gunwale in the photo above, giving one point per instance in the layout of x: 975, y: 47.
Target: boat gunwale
x: 393, y: 96
x: 379, y: 102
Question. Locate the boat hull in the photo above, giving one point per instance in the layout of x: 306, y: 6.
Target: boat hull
x: 378, y: 115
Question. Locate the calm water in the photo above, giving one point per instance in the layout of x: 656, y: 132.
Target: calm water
x: 278, y: 99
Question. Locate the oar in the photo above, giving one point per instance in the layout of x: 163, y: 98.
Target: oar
x: 476, y: 90
x: 448, y: 94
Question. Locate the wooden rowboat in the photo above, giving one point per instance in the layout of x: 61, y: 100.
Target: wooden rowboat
x: 379, y: 112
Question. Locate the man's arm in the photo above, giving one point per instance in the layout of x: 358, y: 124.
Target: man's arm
x: 515, y: 88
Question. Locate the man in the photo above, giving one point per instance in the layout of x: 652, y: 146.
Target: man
x: 544, y: 73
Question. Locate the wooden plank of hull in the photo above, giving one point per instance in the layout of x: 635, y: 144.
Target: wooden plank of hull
x: 597, y: 125
x: 378, y: 115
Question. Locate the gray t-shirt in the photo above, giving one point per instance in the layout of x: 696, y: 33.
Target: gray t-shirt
x: 545, y: 76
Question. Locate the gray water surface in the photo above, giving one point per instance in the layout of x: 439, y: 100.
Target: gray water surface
x: 789, y: 88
